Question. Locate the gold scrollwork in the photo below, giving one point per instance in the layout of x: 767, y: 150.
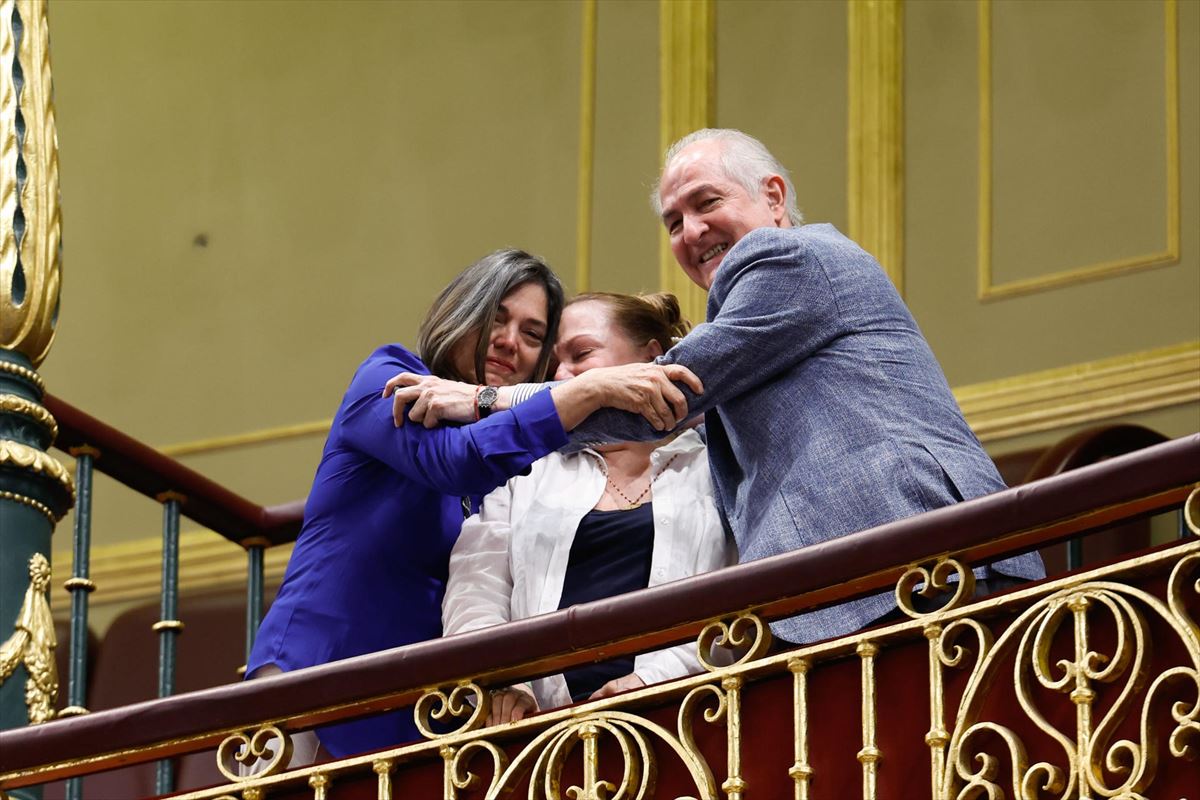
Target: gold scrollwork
x: 32, y: 644
x: 466, y: 699
x: 545, y: 757
x: 746, y: 635
x: 934, y: 581
x: 457, y: 762
x: 255, y: 752
x: 1094, y: 761
x: 1191, y: 511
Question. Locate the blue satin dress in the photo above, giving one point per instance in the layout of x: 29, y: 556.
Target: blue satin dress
x: 369, y: 568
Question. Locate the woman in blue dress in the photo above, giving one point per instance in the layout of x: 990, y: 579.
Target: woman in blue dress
x: 369, y: 568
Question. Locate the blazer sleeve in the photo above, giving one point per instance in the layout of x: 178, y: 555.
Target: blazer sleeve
x: 479, y: 589
x: 467, y: 459
x: 776, y: 308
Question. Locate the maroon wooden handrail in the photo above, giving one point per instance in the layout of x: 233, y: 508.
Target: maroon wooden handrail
x: 145, y: 470
x: 1091, y: 446
x: 977, y: 531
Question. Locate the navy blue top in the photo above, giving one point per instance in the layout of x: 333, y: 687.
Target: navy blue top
x: 369, y: 568
x: 609, y: 556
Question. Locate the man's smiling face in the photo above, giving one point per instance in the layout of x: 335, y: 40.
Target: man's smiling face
x: 706, y: 211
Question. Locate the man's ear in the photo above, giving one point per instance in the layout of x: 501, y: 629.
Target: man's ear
x: 776, y: 192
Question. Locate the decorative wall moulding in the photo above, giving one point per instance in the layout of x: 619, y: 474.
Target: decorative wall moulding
x: 1081, y: 393
x: 988, y: 288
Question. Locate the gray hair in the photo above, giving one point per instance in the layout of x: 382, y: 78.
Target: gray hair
x: 469, y: 305
x: 743, y: 158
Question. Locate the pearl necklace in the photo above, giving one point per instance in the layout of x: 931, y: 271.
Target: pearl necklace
x: 639, y: 499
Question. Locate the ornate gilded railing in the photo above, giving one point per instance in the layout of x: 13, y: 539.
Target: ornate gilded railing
x: 182, y: 492
x: 1085, y: 686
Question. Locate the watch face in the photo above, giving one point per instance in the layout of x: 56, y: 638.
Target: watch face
x: 487, y: 398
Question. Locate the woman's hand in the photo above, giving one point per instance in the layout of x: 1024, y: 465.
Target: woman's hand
x: 618, y: 685
x: 510, y: 705
x: 434, y: 399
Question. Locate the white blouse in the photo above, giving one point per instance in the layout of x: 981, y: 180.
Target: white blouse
x: 511, y: 557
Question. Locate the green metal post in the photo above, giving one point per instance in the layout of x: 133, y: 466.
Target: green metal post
x: 254, y: 593
x: 35, y: 490
x: 80, y: 586
x: 168, y: 626
x: 1074, y: 553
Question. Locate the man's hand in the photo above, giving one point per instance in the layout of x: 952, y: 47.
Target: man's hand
x: 434, y: 399
x: 645, y: 389
x: 510, y: 705
x: 618, y: 685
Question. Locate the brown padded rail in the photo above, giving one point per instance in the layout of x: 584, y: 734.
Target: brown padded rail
x: 978, y: 531
x: 145, y: 470
x: 1091, y: 446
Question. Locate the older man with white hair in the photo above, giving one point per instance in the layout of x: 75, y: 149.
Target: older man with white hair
x: 826, y: 411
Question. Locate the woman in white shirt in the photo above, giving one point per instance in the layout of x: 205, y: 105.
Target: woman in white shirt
x: 593, y: 523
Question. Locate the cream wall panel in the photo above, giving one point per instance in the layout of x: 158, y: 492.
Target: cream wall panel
x: 782, y: 77
x: 258, y: 194
x: 1080, y: 125
x: 1130, y: 313
x: 624, y: 228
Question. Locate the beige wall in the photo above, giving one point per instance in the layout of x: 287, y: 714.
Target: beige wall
x: 343, y: 160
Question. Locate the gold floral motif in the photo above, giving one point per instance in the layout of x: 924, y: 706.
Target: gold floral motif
x: 935, y: 581
x: 1093, y: 762
x: 30, y: 458
x: 16, y: 404
x: 32, y: 644
x: 246, y: 750
x: 466, y: 699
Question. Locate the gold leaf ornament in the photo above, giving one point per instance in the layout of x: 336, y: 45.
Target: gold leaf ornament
x: 32, y: 643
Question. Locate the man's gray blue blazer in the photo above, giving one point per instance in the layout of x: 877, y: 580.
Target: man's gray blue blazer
x: 825, y: 408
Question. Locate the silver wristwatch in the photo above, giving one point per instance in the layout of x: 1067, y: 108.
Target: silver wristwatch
x: 487, y: 400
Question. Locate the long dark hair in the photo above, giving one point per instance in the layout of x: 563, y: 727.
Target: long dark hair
x: 470, y: 302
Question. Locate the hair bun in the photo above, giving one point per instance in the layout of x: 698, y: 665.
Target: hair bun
x: 666, y: 305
